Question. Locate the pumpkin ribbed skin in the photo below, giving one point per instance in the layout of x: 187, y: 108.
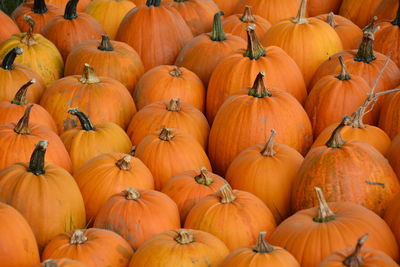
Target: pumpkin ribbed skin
x: 389, y: 120
x: 350, y: 9
x: 387, y: 9
x: 8, y: 27
x: 137, y: 215
x: 181, y: 247
x: 118, y: 171
x: 18, y: 242
x: 61, y: 263
x: 393, y: 155
x: 82, y: 4
x: 274, y: 10
x: 318, y: 7
x: 387, y: 40
x: 102, y: 248
x: 229, y: 7
x: 392, y: 217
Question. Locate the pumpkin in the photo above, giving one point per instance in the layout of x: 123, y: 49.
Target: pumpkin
x: 18, y: 242
x: 100, y: 10
x: 118, y: 171
x: 189, y: 187
x: 175, y: 82
x: 229, y: 7
x: 88, y: 141
x: 137, y: 215
x: 45, y: 194
x: 236, y: 24
x: 333, y: 164
x: 40, y: 54
x: 198, y: 14
x: 8, y: 27
x: 203, y: 52
x: 14, y: 75
x: 392, y: 217
x: 394, y: 157
x: 239, y: 69
x: 226, y: 211
x: 173, y: 114
x: 259, y: 109
x: 18, y: 138
x: 387, y: 9
x: 61, y: 263
x: 316, y: 39
x: 389, y: 120
x: 181, y: 247
x: 263, y: 254
x: 327, y: 228
x: 93, y: 247
x: 267, y: 171
x: 39, y: 11
x: 317, y: 7
x: 80, y: 26
x: 97, y: 96
x: 159, y: 40
x: 351, y: 9
x: 128, y: 65
x: 349, y: 33
x: 62, y: 4
x: 169, y: 152
x: 335, y: 96
x: 358, y: 257
x: 13, y: 111
x: 274, y: 10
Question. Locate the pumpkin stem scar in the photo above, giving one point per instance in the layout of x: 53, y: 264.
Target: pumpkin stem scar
x: 375, y: 183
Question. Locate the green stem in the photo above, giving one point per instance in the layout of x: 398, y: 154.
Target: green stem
x: 203, y: 178
x: 218, y: 33
x: 105, y: 44
x: 22, y: 126
x: 9, y: 59
x: 39, y: 7
x: 153, y: 2
x: 255, y: 49
x: 70, y: 10
x: 365, y: 51
x: 259, y: 90
x: 20, y: 96
x: 36, y: 163
x: 86, y: 124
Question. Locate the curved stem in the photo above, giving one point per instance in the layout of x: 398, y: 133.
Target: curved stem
x: 331, y: 20
x: 166, y: 134
x: 396, y: 21
x: 174, y: 105
x: 131, y: 193
x: 365, y: 51
x: 39, y: 7
x: 124, y: 164
x: 268, y: 150
x: 325, y: 214
x: 255, y: 49
x: 226, y: 193
x: 203, y: 178
x: 357, y: 117
x: 20, y: 96
x: 9, y: 59
x: 176, y: 72
x: 262, y: 245
x: 86, y: 124
x: 344, y: 74
x: 218, y: 33
x: 336, y: 140
x: 247, y: 16
x: 259, y: 90
x: 153, y: 2
x: 355, y: 259
x: 184, y: 237
x: 89, y: 76
x: 36, y: 163
x: 22, y: 126
x: 78, y: 237
x: 29, y: 38
x: 105, y: 44
x: 70, y: 10
x: 301, y: 14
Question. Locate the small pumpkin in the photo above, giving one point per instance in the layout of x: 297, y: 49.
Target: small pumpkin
x: 318, y: 7
x: 8, y: 27
x: 274, y: 10
x: 350, y: 9
x: 61, y: 263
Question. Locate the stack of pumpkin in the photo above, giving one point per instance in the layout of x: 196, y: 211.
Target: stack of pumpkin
x: 200, y: 133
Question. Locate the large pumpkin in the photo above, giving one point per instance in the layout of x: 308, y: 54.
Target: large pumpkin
x: 8, y: 26
x: 45, y: 194
x: 259, y: 109
x: 159, y: 40
x: 273, y: 10
x: 392, y: 217
x: 180, y: 247
x: 351, y: 10
x: 267, y: 171
x: 318, y: 7
x: 311, y: 235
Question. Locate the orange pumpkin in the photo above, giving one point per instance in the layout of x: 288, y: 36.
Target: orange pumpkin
x: 325, y: 229
x: 62, y: 263
x: 159, y: 40
x: 93, y: 247
x: 8, y: 27
x: 202, y: 54
x: 389, y: 120
x: 267, y: 171
x: 233, y: 216
x: 45, y: 194
x: 317, y: 7
x: 181, y: 247
x: 178, y: 150
x: 62, y: 3
x: 239, y: 69
x: 97, y: 96
x: 351, y: 10
x: 229, y: 7
x: 165, y: 82
x: 275, y: 109
x: 274, y: 10
x: 394, y: 157
x: 18, y: 243
x: 392, y: 217
x: 137, y: 215
x: 373, y: 185
x: 316, y: 39
x: 189, y: 187
x: 80, y: 26
x: 387, y: 9
x: 263, y: 254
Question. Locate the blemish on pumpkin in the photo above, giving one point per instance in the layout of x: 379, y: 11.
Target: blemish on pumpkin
x: 375, y: 183
x: 125, y: 253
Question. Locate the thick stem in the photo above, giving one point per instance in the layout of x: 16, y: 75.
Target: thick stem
x: 174, y: 105
x: 20, y: 96
x: 86, y: 124
x: 70, y: 10
x: 268, y: 150
x: 29, y: 38
x: 131, y: 193
x: 247, y: 16
x: 78, y: 237
x: 301, y: 14
x: 336, y: 140
x: 203, y: 178
x: 355, y: 259
x: 124, y: 164
x: 39, y: 7
x: 50, y: 263
x: 262, y: 245
x: 105, y: 44
x: 89, y: 76
x: 365, y: 51
x: 36, y: 163
x: 331, y: 20
x: 9, y: 59
x: 396, y: 21
x: 255, y: 49
x: 357, y: 117
x: 259, y: 89
x: 226, y: 194
x: 218, y: 33
x: 22, y: 126
x: 325, y: 214
x: 344, y: 74
x: 175, y: 72
x: 153, y: 2
x: 184, y: 237
x: 166, y: 134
